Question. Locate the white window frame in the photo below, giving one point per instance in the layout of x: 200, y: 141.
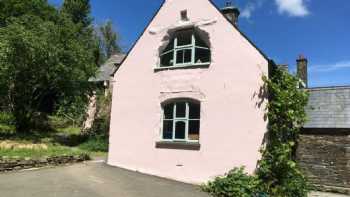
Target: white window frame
x: 177, y: 48
x: 175, y: 119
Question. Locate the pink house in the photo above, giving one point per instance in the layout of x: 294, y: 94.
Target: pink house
x: 187, y: 101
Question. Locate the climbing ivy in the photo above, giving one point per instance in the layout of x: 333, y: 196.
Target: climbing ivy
x: 278, y: 169
x: 278, y: 174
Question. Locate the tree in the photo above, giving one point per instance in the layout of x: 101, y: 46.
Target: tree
x: 43, y: 61
x: 79, y: 11
x: 109, y: 39
x: 16, y: 8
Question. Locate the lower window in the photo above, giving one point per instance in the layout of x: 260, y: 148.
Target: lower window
x: 181, y: 121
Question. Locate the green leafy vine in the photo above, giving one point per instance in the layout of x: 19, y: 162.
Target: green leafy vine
x: 278, y: 169
x: 278, y: 174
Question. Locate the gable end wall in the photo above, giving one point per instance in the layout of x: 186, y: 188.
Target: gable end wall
x: 232, y: 107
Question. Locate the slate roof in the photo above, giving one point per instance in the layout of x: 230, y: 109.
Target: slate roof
x: 108, y: 69
x: 329, y: 107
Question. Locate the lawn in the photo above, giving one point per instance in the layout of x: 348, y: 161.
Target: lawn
x: 36, y: 151
x: 63, y: 139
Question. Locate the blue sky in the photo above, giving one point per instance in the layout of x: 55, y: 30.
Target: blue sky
x: 283, y: 29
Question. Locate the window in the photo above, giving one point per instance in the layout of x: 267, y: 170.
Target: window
x: 185, y: 49
x: 181, y: 121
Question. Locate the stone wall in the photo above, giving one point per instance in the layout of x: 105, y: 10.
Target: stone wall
x: 12, y: 164
x: 325, y: 159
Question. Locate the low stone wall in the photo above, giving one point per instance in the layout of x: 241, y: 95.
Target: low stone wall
x: 12, y: 164
x: 325, y: 159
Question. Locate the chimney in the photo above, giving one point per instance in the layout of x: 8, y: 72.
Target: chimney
x: 231, y: 13
x: 302, y: 70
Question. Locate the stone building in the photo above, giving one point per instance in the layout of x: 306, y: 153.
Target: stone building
x: 104, y: 81
x: 324, y: 146
x: 105, y: 73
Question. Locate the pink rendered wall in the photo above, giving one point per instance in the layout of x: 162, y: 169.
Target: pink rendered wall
x: 232, y: 125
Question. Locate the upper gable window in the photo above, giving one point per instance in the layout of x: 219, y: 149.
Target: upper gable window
x: 186, y: 48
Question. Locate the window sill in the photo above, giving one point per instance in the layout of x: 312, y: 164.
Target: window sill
x: 178, y: 145
x: 205, y: 65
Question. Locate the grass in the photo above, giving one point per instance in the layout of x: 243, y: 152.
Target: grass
x: 69, y: 130
x: 52, y: 150
x: 4, y: 128
x: 64, y: 140
x: 98, y: 154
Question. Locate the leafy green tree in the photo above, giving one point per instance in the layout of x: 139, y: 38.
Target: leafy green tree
x: 43, y: 61
x: 16, y: 8
x: 109, y: 39
x: 79, y: 11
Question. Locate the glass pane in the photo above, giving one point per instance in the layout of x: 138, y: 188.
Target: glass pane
x: 170, y: 46
x: 193, y: 129
x: 180, y: 130
x: 168, y: 111
x: 195, y: 111
x: 180, y: 57
x: 200, y: 42
x: 184, y: 38
x: 188, y: 56
x: 168, y: 129
x: 167, y: 59
x: 202, y: 56
x: 181, y: 110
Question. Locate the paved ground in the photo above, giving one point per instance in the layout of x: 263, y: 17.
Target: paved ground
x: 96, y: 180
x: 91, y: 180
x: 320, y: 194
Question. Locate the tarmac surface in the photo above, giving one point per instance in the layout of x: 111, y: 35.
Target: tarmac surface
x: 91, y: 180
x: 96, y: 179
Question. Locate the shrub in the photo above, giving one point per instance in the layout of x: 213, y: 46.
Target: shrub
x: 6, y: 118
x: 60, y: 122
x: 71, y: 139
x: 95, y: 144
x: 100, y: 126
x: 236, y: 183
x: 6, y: 124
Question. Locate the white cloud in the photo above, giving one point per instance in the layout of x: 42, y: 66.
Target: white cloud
x: 331, y: 67
x: 248, y: 10
x: 292, y: 7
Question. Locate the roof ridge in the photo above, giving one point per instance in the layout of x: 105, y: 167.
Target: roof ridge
x: 329, y: 88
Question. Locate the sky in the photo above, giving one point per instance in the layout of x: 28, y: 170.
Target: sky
x: 282, y: 29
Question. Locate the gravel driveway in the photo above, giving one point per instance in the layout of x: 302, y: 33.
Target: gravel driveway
x: 96, y: 180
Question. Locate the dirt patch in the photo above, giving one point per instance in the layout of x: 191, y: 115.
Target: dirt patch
x: 12, y: 145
